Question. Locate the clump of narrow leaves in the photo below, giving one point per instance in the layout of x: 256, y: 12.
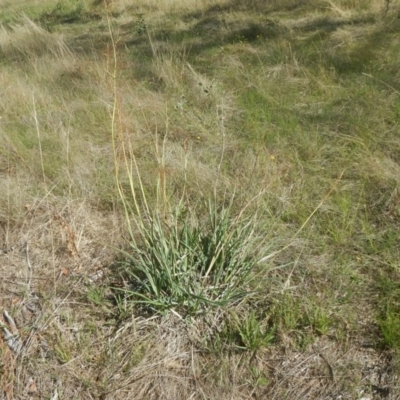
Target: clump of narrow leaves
x: 190, y: 264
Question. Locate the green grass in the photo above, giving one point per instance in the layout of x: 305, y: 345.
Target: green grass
x: 191, y: 264
x: 388, y: 318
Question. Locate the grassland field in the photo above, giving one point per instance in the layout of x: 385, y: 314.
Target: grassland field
x: 199, y: 199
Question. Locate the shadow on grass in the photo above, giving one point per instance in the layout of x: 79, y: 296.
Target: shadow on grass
x: 256, y: 22
x: 67, y: 14
x: 211, y: 29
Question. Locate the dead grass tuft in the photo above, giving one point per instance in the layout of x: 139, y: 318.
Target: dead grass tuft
x: 27, y: 40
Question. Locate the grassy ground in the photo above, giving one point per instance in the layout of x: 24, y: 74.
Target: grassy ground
x: 117, y: 117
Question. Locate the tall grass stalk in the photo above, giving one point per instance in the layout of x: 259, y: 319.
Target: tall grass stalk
x: 129, y: 158
x: 178, y: 260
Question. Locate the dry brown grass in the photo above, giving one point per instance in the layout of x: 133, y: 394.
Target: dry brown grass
x: 48, y: 256
x: 27, y: 40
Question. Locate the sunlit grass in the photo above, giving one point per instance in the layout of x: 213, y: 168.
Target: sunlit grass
x: 239, y: 130
x: 190, y: 263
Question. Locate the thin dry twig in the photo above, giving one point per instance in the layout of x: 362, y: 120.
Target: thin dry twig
x: 30, y: 269
x: 11, y: 333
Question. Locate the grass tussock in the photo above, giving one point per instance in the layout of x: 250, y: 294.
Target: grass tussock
x: 200, y: 199
x: 27, y: 40
x: 189, y: 265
